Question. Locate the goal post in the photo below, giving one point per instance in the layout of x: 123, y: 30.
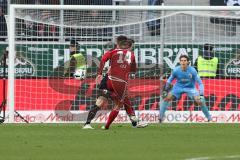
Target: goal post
x: 40, y: 37
x: 11, y: 77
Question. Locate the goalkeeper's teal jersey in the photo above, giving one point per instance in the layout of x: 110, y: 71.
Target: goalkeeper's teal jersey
x: 186, y: 79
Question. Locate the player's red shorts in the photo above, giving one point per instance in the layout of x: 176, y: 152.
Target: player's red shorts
x: 117, y: 89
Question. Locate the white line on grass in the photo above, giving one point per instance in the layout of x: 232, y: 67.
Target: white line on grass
x: 199, y: 158
x: 231, y: 157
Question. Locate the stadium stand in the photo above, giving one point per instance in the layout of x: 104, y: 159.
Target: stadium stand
x: 3, y: 25
x: 37, y: 30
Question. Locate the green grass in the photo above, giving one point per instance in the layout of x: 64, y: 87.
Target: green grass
x: 121, y: 142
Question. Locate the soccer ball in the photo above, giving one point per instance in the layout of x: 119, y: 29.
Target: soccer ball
x: 80, y: 74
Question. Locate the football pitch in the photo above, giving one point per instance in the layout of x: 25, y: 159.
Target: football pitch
x: 121, y: 142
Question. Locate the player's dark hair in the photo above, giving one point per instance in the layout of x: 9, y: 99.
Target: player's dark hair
x: 121, y: 39
x: 127, y: 44
x: 74, y: 43
x: 131, y: 40
x: 184, y: 56
x: 208, y: 47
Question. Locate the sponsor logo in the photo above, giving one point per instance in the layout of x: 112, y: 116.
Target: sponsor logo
x: 232, y: 68
x: 36, y: 49
x: 145, y: 57
x: 144, y: 115
x: 222, y: 49
x: 22, y: 66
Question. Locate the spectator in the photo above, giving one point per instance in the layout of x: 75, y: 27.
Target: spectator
x: 232, y: 27
x: 154, y: 26
x: 207, y: 64
x: 76, y: 68
x: 77, y: 63
x: 90, y: 16
x: 232, y: 2
x: 3, y: 26
x: 238, y: 54
x: 29, y: 27
x: 229, y: 24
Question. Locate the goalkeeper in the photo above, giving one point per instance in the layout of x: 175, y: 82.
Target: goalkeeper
x: 186, y: 78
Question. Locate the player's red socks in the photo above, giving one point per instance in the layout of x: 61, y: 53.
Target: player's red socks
x: 129, y: 110
x: 111, y: 118
x: 128, y: 107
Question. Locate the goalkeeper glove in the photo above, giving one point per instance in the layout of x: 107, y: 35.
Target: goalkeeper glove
x: 164, y: 94
x: 202, y: 99
x: 168, y: 87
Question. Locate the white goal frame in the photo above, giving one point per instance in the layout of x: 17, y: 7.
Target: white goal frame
x: 11, y: 30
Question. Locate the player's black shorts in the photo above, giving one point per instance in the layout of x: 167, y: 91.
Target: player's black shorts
x: 103, y: 84
x: 103, y: 90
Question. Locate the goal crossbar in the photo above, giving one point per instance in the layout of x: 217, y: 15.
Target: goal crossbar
x: 132, y: 7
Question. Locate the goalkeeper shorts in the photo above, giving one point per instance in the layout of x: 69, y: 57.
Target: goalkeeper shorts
x: 178, y: 91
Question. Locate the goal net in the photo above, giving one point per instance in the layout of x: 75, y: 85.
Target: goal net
x: 41, y: 89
